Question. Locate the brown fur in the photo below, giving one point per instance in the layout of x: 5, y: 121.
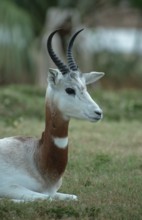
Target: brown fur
x: 53, y: 160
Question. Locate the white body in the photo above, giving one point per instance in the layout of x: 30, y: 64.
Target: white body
x: 19, y: 177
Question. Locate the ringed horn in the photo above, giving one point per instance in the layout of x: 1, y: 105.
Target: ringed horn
x: 71, y: 62
x: 62, y: 67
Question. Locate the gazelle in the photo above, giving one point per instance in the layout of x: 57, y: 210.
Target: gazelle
x: 32, y: 168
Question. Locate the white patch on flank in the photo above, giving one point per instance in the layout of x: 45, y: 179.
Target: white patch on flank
x: 61, y: 142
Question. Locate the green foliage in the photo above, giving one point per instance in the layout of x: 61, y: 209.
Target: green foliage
x: 67, y: 3
x: 122, y: 70
x: 120, y: 104
x: 37, y: 11
x: 136, y: 3
x: 16, y: 35
x: 19, y: 102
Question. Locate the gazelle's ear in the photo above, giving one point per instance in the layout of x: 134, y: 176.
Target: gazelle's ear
x: 92, y: 77
x: 54, y: 76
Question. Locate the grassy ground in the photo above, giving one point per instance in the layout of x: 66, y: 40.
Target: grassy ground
x: 105, y: 166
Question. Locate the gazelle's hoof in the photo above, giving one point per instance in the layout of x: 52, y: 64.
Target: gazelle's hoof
x: 63, y: 196
x: 74, y: 197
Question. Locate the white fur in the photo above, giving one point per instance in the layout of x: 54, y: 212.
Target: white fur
x: 80, y: 106
x: 61, y: 142
x: 19, y: 178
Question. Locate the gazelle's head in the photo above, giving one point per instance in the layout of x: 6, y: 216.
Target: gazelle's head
x: 67, y: 90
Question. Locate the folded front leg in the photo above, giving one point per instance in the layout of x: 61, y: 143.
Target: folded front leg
x: 63, y: 196
x: 18, y: 193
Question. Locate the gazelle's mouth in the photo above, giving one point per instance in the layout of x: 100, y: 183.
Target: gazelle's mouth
x: 93, y: 119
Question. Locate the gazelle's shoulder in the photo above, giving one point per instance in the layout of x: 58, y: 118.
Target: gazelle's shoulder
x: 16, y: 139
x: 17, y: 142
x: 7, y: 140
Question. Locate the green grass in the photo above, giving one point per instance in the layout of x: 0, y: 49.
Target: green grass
x: 104, y: 168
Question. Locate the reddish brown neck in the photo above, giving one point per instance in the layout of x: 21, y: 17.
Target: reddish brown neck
x: 53, y: 160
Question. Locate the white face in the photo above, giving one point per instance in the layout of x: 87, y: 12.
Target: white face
x: 69, y: 94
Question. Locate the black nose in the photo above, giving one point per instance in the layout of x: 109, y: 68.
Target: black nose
x: 99, y: 113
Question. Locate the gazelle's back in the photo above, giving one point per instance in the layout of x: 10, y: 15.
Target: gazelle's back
x: 16, y: 152
x: 17, y: 164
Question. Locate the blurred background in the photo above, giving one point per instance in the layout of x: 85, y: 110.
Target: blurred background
x: 111, y: 42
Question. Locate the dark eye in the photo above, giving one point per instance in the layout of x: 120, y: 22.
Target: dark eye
x: 70, y: 91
